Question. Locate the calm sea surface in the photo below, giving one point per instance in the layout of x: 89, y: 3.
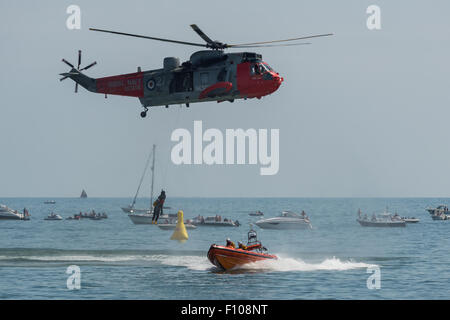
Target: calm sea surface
x: 120, y: 260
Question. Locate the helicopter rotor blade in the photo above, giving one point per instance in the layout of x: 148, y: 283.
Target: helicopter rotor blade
x: 151, y: 38
x: 68, y: 63
x: 272, y: 45
x: 201, y: 34
x: 79, y: 59
x: 89, y: 66
x: 275, y: 41
x: 63, y: 78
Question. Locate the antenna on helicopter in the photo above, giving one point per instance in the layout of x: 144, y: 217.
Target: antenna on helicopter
x: 76, y: 70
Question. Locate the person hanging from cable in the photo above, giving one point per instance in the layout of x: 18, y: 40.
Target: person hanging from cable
x: 158, y: 209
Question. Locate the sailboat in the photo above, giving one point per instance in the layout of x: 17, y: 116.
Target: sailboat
x: 143, y: 216
x: 83, y: 194
x: 130, y: 208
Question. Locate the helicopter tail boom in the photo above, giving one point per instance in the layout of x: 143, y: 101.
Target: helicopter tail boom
x: 81, y: 79
x: 130, y: 85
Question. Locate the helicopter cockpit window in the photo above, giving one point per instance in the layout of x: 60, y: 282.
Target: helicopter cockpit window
x: 256, y: 69
x: 267, y: 67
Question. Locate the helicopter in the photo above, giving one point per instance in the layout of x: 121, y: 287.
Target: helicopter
x: 208, y: 75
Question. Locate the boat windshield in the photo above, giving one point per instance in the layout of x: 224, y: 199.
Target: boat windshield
x: 290, y: 214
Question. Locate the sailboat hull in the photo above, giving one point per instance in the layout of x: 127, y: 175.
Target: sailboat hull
x: 144, y: 218
x: 131, y: 210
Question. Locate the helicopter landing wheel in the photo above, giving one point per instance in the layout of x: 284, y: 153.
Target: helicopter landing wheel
x: 144, y: 113
x: 187, y: 105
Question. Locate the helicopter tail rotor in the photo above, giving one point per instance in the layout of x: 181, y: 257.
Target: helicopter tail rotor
x: 75, y: 71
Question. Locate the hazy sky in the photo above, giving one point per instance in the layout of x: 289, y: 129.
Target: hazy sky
x: 363, y: 113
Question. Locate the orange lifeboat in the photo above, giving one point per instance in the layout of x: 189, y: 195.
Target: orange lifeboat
x: 226, y: 257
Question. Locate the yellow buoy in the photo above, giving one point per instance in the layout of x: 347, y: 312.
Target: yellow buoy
x: 180, y: 232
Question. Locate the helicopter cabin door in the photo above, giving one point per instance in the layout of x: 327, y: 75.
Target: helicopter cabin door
x: 182, y: 82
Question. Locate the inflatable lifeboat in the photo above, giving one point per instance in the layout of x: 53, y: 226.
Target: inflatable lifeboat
x: 228, y: 257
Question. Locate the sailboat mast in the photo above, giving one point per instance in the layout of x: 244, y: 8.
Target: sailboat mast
x: 140, y: 182
x: 153, y: 177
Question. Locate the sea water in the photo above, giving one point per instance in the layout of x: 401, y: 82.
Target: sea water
x: 120, y: 260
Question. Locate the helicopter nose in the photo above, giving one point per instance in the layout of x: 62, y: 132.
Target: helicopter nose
x: 277, y: 81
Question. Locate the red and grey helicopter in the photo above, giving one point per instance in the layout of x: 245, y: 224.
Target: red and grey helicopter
x: 209, y: 75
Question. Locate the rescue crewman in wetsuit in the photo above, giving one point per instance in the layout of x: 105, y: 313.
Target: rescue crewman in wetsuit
x: 159, y: 203
x: 242, y: 246
x: 249, y: 248
x: 254, y: 246
x: 230, y: 243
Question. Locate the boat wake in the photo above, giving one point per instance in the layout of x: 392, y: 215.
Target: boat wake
x: 285, y: 264
x: 195, y: 260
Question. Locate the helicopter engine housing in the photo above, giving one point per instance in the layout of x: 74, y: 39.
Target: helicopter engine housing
x: 171, y: 63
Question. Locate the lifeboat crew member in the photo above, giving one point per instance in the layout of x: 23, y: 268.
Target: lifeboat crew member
x: 242, y: 246
x: 249, y: 248
x: 254, y: 246
x: 230, y: 243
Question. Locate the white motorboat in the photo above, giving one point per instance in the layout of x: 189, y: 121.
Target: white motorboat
x: 54, y: 217
x: 50, y: 202
x: 410, y: 219
x: 10, y: 214
x: 286, y: 220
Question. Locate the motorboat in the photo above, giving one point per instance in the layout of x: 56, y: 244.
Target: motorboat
x: 286, y: 220
x: 384, y: 219
x: 53, y: 216
x: 228, y: 257
x: 256, y: 213
x: 98, y: 216
x: 439, y: 213
x: 50, y: 202
x: 410, y: 219
x: 214, y: 221
x: 440, y: 216
x: 171, y: 225
x: 10, y: 214
x: 74, y: 217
